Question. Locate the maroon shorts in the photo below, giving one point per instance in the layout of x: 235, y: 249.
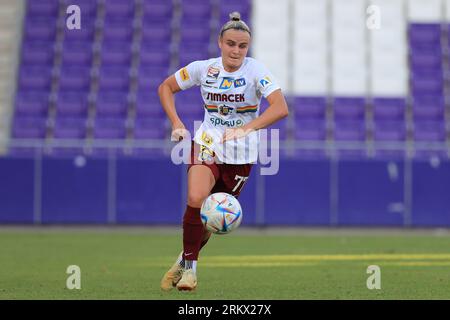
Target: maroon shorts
x: 230, y: 178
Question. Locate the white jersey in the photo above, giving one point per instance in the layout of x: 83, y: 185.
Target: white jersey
x: 231, y: 99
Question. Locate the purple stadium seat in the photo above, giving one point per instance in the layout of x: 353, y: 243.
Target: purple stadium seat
x: 119, y: 9
x: 77, y: 53
x: 109, y: 128
x: 448, y: 33
x: 157, y: 9
x: 118, y: 30
x: 190, y: 104
x: 188, y: 56
x: 37, y: 53
x: 35, y: 78
x: 241, y: 6
x: 429, y: 107
x: 72, y: 104
x: 424, y: 33
x: 425, y: 49
x: 426, y: 61
x: 112, y: 104
x: 148, y: 105
x: 349, y: 130
x: 389, y: 108
x: 85, y: 34
x: 309, y: 107
x: 385, y: 132
x: 389, y: 130
x: 149, y: 78
x: 70, y: 128
x: 195, y: 10
x: 426, y: 72
x: 429, y: 130
x: 148, y: 128
x: 40, y: 29
x: 431, y: 86
x: 116, y: 53
x: 310, y: 129
x: 75, y: 78
x: 155, y: 54
x: 156, y: 31
x: 42, y: 8
x: 114, y: 78
x: 191, y: 46
x: 32, y: 103
x: 29, y: 128
x: 349, y: 108
x: 197, y: 33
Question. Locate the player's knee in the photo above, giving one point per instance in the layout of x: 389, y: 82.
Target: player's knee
x: 195, y: 199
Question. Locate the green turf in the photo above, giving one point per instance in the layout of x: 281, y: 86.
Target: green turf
x: 129, y: 265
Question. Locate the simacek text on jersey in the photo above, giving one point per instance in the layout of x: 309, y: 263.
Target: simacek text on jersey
x: 268, y: 151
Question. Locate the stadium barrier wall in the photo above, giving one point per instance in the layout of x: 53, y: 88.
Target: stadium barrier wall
x: 47, y: 190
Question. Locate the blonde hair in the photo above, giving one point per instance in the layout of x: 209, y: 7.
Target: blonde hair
x: 235, y: 23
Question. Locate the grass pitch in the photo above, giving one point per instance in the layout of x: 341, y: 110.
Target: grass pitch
x: 129, y: 263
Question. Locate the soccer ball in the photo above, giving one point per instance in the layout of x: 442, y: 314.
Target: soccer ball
x: 221, y: 213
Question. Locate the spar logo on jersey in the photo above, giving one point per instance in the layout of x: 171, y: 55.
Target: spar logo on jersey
x: 213, y: 72
x: 239, y: 82
x: 265, y: 81
x: 225, y: 110
x: 226, y: 83
x: 229, y: 123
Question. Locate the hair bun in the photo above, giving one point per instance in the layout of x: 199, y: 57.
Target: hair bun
x: 235, y: 16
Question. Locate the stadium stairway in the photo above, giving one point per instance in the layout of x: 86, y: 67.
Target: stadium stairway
x: 10, y: 30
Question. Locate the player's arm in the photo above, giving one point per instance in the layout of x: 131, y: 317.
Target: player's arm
x: 166, y: 92
x: 277, y: 110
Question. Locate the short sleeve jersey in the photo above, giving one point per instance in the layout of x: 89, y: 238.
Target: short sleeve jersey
x: 231, y: 99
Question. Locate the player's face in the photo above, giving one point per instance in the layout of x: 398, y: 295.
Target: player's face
x: 234, y: 45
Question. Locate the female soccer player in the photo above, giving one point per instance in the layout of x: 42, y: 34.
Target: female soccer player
x: 226, y: 144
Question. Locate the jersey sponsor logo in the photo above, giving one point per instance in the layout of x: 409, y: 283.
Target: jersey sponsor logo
x: 184, y: 74
x: 205, y: 154
x: 206, y: 138
x: 222, y: 97
x: 225, y: 110
x: 226, y: 83
x: 229, y: 123
x: 239, y: 82
x: 213, y: 72
x: 265, y: 81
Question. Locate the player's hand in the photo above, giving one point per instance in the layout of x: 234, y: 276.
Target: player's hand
x: 235, y: 133
x: 179, y: 131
